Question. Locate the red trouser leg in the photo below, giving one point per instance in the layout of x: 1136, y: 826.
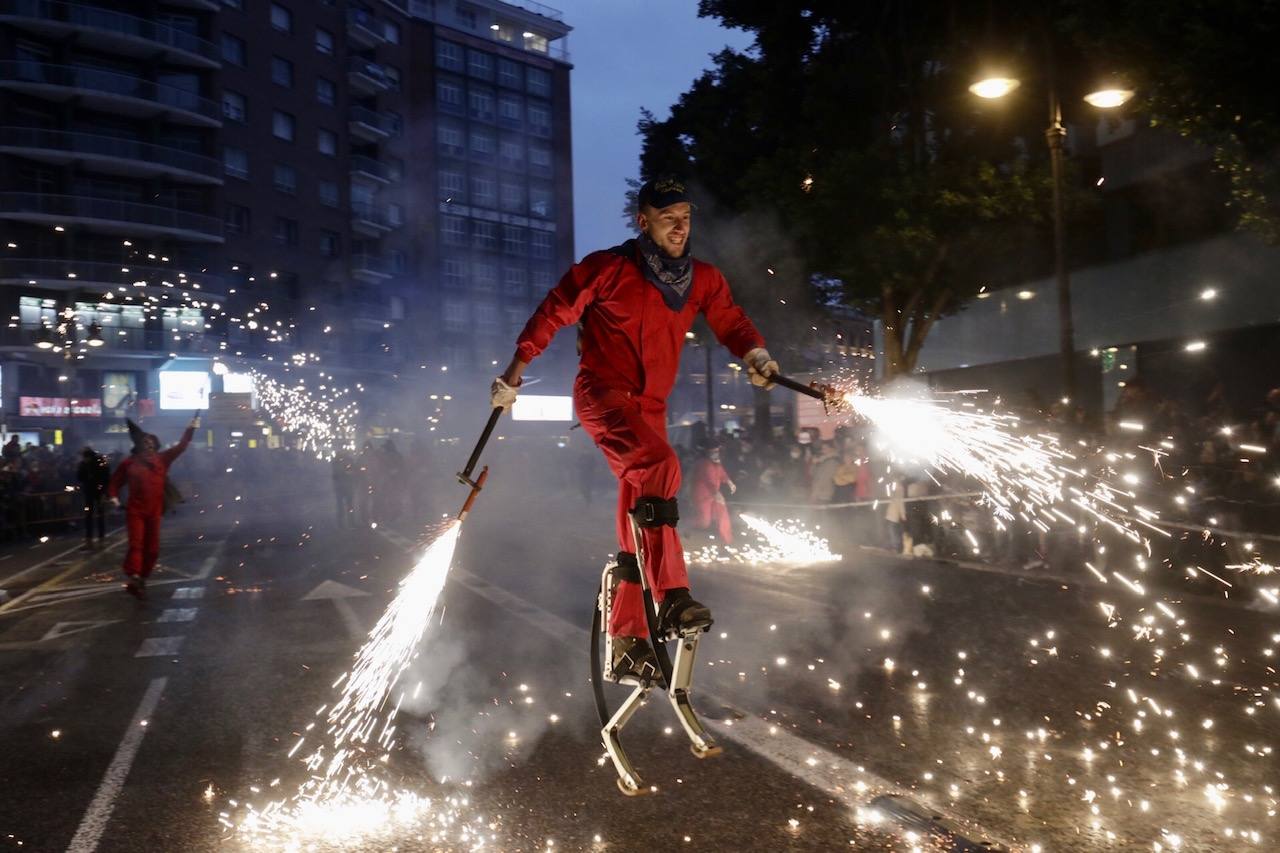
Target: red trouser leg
x: 150, y: 544
x: 135, y: 524
x: 702, y: 512
x: 632, y: 433
x: 720, y: 517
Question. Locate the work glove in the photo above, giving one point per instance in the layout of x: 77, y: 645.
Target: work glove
x: 502, y: 395
x: 115, y: 501
x: 195, y: 421
x: 761, y: 366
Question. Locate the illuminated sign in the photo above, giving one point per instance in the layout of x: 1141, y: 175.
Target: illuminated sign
x: 58, y: 407
x: 532, y: 407
x: 184, y: 389
x: 237, y: 383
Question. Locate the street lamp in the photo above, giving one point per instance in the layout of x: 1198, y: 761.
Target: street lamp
x: 1109, y: 97
x: 95, y: 334
x: 43, y: 339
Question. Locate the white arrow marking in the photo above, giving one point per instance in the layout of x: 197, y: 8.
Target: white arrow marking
x: 333, y: 589
x: 63, y: 629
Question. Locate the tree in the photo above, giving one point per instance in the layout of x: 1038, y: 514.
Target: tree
x: 849, y: 130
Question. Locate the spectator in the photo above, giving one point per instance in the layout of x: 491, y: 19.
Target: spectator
x: 93, y: 475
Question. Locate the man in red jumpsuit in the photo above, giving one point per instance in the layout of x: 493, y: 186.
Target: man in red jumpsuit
x: 634, y: 304
x: 709, y: 507
x: 144, y: 474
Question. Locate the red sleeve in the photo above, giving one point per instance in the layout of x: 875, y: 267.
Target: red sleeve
x: 727, y: 319
x: 174, y: 452
x: 118, y: 477
x: 565, y: 303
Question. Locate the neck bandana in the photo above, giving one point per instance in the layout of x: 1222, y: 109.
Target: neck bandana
x: 672, y: 276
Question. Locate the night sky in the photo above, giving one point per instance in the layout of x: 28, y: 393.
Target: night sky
x: 626, y: 54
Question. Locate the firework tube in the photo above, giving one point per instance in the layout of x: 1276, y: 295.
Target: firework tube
x: 464, y: 476
x: 475, y: 490
x: 817, y: 390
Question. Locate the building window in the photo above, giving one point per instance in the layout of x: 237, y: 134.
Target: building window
x: 395, y: 167
x: 480, y: 64
x: 324, y: 41
x: 329, y: 193
x: 509, y: 74
x: 399, y: 260
x: 449, y: 96
x: 510, y: 112
x: 484, y: 191
x: 453, y: 186
x: 484, y: 236
x: 512, y: 240
x: 236, y: 219
x: 454, y: 272
x: 484, y: 276
x: 516, y: 317
x: 392, y: 73
x: 480, y: 102
x: 449, y: 55
x: 326, y: 91
x: 285, y: 179
x: 235, y: 162
x: 451, y: 139
x: 233, y: 50
x: 540, y: 160
x: 540, y: 201
x: 511, y: 154
x: 466, y: 16
x: 234, y: 106
x: 395, y: 215
x: 397, y: 123
x: 455, y: 315
x: 327, y: 142
x: 482, y: 144
x: 515, y: 280
x: 391, y: 32
x: 281, y: 18
x: 286, y: 231
x: 486, y: 318
x: 512, y: 197
x: 538, y: 81
x: 541, y: 280
x: 329, y: 245
x: 540, y: 245
x: 282, y: 72
x: 453, y: 230
x: 539, y: 119
x: 233, y: 4
x: 283, y: 125
x: 535, y: 42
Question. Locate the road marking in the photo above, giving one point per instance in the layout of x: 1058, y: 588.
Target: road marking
x: 64, y: 629
x: 94, y: 822
x: 333, y: 589
x: 40, y: 565
x: 189, y: 592
x: 156, y: 647
x: 178, y: 614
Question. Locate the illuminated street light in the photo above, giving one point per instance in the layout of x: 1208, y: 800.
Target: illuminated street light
x: 44, y: 341
x: 994, y: 87
x: 1107, y: 99
x: 95, y: 334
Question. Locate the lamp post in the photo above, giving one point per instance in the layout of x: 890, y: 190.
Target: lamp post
x: 995, y: 87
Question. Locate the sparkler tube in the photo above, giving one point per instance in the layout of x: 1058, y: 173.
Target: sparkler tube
x: 817, y: 393
x: 464, y: 476
x: 475, y: 489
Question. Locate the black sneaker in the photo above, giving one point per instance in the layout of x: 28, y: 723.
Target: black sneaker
x: 633, y: 657
x: 136, y: 586
x: 680, y: 614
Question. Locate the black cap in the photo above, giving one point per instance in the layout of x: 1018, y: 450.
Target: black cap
x: 662, y: 192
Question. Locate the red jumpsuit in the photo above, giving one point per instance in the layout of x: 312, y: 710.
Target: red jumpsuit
x: 708, y: 504
x: 144, y: 473
x: 630, y: 343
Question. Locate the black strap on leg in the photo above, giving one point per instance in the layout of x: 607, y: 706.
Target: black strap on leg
x: 656, y: 512
x: 627, y: 569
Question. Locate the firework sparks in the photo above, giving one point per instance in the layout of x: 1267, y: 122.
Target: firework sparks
x: 323, y: 420
x: 346, y: 795
x: 785, y: 543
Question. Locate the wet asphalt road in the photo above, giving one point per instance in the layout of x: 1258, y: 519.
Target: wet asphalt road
x: 999, y: 699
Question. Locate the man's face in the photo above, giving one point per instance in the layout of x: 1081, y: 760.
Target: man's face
x: 150, y: 443
x: 668, y: 226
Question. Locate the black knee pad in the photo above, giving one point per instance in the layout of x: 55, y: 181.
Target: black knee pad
x: 627, y: 569
x: 656, y: 512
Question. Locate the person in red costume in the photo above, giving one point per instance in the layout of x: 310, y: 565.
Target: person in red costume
x: 709, y: 477
x: 634, y: 303
x: 144, y: 473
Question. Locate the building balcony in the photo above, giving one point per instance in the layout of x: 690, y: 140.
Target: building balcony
x: 121, y: 94
x: 110, y: 154
x: 111, y: 32
x: 370, y: 220
x: 364, y: 28
x: 367, y: 78
x: 73, y: 274
x: 369, y: 170
x: 119, y: 342
x: 372, y: 268
x: 371, y: 125
x: 111, y: 216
